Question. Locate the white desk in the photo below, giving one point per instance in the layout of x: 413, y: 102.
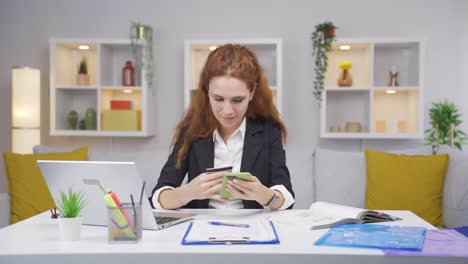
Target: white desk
x: 37, y: 240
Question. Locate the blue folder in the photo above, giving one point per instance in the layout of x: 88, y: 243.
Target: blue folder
x: 241, y: 241
x: 374, y: 236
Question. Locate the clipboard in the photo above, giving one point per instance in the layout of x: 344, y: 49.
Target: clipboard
x: 236, y: 241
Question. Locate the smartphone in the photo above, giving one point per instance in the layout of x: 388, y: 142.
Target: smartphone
x: 224, y: 193
x: 227, y: 168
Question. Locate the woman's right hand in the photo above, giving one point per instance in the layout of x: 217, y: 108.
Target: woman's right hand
x: 204, y: 186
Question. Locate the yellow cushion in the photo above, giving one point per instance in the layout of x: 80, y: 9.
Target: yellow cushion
x: 400, y: 182
x: 29, y: 194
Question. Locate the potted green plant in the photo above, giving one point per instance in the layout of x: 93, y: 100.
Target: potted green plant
x: 322, y: 38
x: 70, y: 206
x: 82, y: 77
x: 444, y: 120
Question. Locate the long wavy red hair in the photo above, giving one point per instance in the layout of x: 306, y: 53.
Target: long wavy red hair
x: 236, y: 61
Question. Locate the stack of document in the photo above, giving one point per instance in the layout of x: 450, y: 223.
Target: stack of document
x: 258, y: 231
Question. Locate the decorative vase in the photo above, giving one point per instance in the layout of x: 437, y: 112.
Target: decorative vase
x: 345, y: 79
x: 82, y: 79
x: 70, y: 228
x: 90, y: 119
x: 72, y: 119
x: 393, y: 79
x: 128, y: 74
x: 393, y: 76
x: 82, y: 125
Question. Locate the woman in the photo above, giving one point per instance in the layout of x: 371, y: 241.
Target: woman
x: 232, y: 121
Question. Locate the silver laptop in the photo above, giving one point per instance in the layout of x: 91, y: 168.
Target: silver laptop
x: 120, y: 177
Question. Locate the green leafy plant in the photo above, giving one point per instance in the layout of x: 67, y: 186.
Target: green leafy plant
x: 71, y: 204
x: 83, y: 69
x: 322, y: 38
x: 445, y: 119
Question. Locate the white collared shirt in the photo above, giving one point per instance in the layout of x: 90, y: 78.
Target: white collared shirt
x: 229, y: 153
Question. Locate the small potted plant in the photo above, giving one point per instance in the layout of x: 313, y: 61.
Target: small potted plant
x: 70, y: 206
x: 445, y: 119
x: 82, y: 78
x: 322, y: 38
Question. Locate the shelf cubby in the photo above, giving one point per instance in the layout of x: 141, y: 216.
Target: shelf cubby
x: 67, y: 61
x: 359, y: 54
x: 395, y: 113
x: 68, y: 100
x: 405, y: 56
x: 347, y: 107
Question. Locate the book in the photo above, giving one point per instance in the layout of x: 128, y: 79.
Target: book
x: 374, y: 236
x: 326, y: 215
x: 121, y: 105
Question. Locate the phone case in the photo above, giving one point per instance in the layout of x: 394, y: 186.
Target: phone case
x: 224, y: 193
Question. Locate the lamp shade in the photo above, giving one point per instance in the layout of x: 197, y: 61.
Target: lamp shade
x: 26, y: 109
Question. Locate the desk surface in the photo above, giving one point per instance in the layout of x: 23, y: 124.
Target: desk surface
x: 38, y: 240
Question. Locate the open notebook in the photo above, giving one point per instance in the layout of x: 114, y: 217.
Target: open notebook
x: 326, y: 215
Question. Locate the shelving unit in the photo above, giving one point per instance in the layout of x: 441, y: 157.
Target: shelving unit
x: 105, y: 60
x: 380, y: 110
x: 268, y: 51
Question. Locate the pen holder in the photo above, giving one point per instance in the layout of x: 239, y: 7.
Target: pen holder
x: 124, y: 223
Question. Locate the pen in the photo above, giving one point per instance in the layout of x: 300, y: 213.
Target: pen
x: 133, y: 204
x: 142, y: 191
x: 228, y: 224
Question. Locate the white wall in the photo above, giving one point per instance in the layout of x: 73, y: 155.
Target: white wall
x: 463, y: 101
x: 26, y: 26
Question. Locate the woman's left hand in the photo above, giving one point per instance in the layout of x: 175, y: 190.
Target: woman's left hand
x: 251, y: 190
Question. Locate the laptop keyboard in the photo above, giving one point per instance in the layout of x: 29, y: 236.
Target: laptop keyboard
x: 165, y: 219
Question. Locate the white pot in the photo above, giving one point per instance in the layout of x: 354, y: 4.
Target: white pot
x: 70, y: 228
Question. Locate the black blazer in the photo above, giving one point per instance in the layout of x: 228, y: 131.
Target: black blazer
x: 263, y: 156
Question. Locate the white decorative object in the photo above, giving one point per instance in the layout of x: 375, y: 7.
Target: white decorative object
x: 70, y: 228
x: 26, y: 109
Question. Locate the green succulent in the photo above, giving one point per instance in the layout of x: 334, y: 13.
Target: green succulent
x: 445, y: 118
x: 71, y: 204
